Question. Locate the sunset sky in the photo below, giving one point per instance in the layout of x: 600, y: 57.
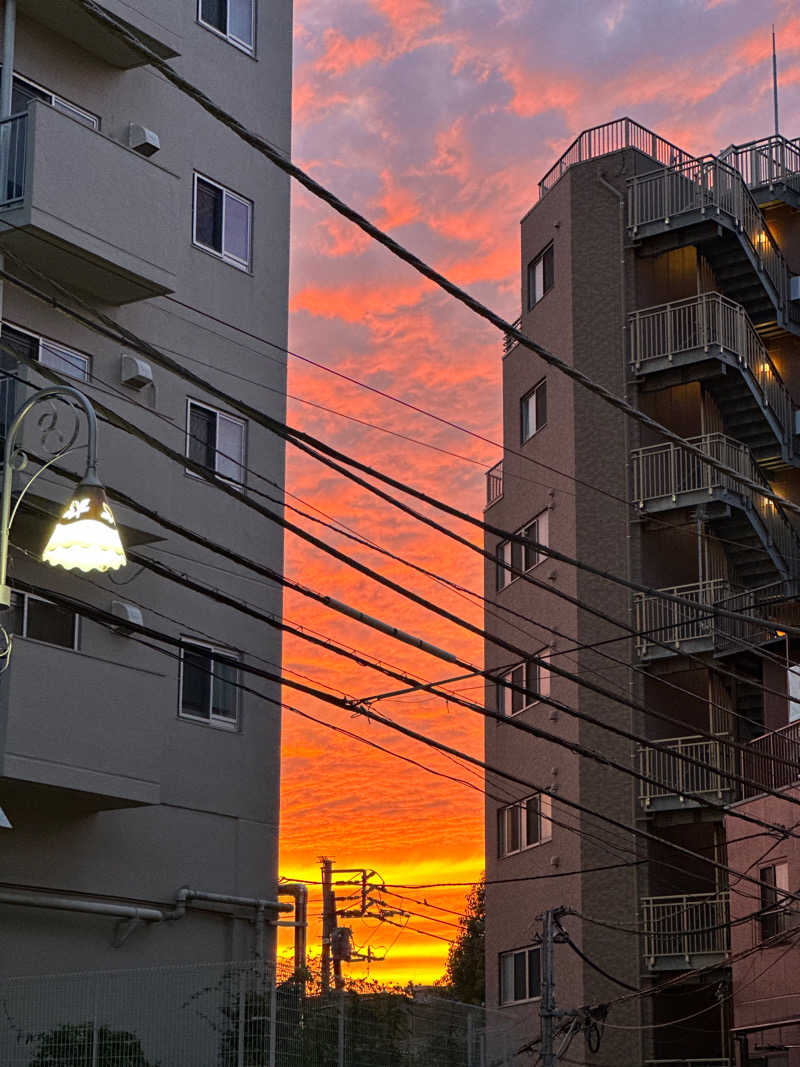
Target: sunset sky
x: 437, y: 118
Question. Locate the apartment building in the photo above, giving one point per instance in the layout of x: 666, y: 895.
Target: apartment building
x: 130, y: 770
x: 670, y: 280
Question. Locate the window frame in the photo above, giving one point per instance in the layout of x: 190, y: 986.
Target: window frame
x: 519, y: 811
x: 40, y: 339
x: 509, y: 549
x: 26, y: 598
x: 190, y: 402
x: 506, y: 695
x: 220, y: 722
x: 226, y: 257
x: 775, y: 922
x: 548, y: 252
x: 525, y: 432
x: 526, y: 951
x: 248, y: 49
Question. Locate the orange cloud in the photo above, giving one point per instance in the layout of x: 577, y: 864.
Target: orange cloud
x: 343, y: 54
x: 408, y: 18
x: 355, y: 302
x: 398, y: 205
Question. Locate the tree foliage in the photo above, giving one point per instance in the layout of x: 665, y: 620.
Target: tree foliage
x: 464, y: 978
x: 73, y: 1043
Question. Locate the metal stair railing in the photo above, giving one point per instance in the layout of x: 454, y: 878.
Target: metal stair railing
x: 710, y: 187
x: 675, y: 777
x: 759, y: 762
x: 732, y: 633
x: 765, y: 161
x: 664, y: 331
x: 661, y: 471
x: 612, y: 137
x: 687, y: 925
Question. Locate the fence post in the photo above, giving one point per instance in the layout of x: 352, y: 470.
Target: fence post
x: 340, y: 1034
x: 273, y: 1016
x: 95, y: 1050
x: 241, y: 1022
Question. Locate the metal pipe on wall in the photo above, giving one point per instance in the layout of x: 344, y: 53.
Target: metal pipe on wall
x: 7, y: 76
x: 88, y: 905
x: 299, y: 891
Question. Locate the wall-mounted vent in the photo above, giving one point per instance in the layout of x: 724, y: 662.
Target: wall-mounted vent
x: 142, y: 140
x: 135, y: 372
x: 128, y: 615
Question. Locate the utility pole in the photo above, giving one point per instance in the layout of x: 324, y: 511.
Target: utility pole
x: 547, y: 1004
x: 329, y: 921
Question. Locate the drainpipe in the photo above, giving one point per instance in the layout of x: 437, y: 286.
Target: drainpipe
x: 185, y: 895
x: 7, y: 77
x: 299, y: 891
x: 92, y: 907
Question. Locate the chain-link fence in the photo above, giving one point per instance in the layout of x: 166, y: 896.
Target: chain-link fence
x: 236, y: 1015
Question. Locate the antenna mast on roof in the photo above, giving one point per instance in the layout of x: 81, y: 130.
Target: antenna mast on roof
x: 775, y: 80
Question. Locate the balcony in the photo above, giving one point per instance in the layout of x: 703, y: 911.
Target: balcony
x: 679, y: 777
x: 705, y: 338
x: 692, y: 627
x: 510, y: 342
x: 494, y: 484
x: 760, y: 762
x: 770, y: 167
x: 156, y: 23
x: 684, y: 932
x: 103, y: 752
x: 86, y: 211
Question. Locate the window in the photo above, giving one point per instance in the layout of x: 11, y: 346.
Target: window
x: 524, y: 824
x: 222, y: 222
x: 24, y: 91
x: 530, y: 677
x: 41, y: 620
x: 540, y: 276
x: 533, y: 411
x: 208, y: 682
x: 234, y: 19
x: 774, y: 917
x: 520, y: 975
x: 216, y: 441
x: 512, y: 556
x: 57, y: 357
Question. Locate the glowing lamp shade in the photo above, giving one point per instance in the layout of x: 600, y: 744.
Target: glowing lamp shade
x: 86, y: 535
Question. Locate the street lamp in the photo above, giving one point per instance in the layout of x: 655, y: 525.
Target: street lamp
x: 86, y: 535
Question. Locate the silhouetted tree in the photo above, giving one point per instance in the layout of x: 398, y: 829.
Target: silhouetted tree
x: 464, y: 978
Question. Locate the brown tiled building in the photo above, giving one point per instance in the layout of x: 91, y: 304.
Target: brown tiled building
x: 669, y: 280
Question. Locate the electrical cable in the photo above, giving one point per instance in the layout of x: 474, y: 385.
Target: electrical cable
x: 276, y: 156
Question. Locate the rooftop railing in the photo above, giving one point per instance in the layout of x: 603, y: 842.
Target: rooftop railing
x: 709, y: 187
x: 663, y: 332
x: 677, y: 777
x: 510, y: 341
x: 611, y: 137
x: 765, y: 161
x: 494, y: 483
x: 690, y: 925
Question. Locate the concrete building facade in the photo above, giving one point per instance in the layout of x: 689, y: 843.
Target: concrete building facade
x: 129, y: 772
x: 668, y: 280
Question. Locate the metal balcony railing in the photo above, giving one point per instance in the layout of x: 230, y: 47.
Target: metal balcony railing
x: 686, y: 926
x: 677, y: 624
x: 678, y: 776
x: 611, y: 137
x: 709, y: 187
x: 732, y: 633
x: 13, y: 152
x: 663, y: 332
x: 668, y: 471
x: 766, y: 161
x: 494, y: 483
x: 760, y: 761
x: 510, y: 342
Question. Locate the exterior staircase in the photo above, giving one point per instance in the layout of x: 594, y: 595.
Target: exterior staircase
x: 770, y: 166
x: 711, y: 338
x: 707, y: 203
